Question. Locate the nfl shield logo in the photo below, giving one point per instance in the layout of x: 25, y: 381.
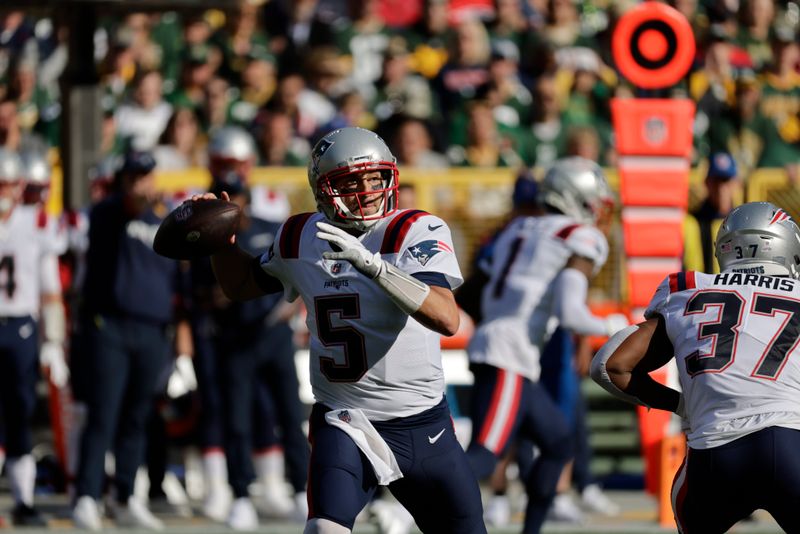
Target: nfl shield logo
x: 336, y: 268
x: 344, y: 415
x: 656, y: 131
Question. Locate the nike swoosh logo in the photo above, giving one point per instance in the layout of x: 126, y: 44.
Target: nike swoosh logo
x: 435, y: 438
x: 432, y: 228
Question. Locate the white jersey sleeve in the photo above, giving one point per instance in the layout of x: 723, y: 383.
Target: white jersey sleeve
x: 286, y: 246
x: 590, y: 243
x: 428, y: 247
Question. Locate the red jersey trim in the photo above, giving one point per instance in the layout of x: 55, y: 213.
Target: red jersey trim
x: 397, y: 229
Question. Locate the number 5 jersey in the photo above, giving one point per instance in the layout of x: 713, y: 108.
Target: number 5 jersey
x: 365, y: 352
x: 735, y: 338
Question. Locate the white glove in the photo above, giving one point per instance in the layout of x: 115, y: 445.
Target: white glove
x: 183, y: 379
x: 615, y: 322
x: 366, y: 262
x: 51, y: 358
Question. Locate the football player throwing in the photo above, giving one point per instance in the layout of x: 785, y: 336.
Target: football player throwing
x: 377, y: 282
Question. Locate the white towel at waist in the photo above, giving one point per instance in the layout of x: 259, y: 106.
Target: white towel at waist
x: 356, y: 425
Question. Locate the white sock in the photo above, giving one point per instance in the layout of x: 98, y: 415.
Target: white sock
x: 214, y: 466
x: 22, y: 478
x: 269, y: 464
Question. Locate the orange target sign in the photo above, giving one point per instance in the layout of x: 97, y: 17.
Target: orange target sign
x: 653, y: 45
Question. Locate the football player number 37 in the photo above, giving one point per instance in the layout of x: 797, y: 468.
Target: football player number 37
x: 351, y: 340
x: 725, y: 329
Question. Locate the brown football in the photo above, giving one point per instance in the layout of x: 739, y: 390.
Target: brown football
x: 196, y: 229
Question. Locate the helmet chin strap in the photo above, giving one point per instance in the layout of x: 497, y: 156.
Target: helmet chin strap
x: 354, y: 221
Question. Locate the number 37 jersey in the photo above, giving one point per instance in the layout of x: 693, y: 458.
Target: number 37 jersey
x: 735, y: 338
x: 365, y: 352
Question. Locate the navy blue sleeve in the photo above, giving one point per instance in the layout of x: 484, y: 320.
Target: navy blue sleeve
x: 432, y: 279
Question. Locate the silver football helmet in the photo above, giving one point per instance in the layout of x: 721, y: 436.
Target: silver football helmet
x: 11, y: 169
x: 760, y: 238
x: 36, y: 168
x: 345, y: 152
x: 231, y: 143
x: 576, y: 187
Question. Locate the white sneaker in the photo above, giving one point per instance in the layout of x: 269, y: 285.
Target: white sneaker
x: 86, y: 514
x: 275, y: 500
x: 217, y: 503
x: 136, y: 514
x: 391, y: 517
x: 595, y: 500
x: 564, y: 509
x: 300, y: 513
x: 497, y: 512
x: 243, y: 515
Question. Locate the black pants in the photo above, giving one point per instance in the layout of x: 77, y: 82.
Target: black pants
x: 124, y: 359
x: 246, y: 358
x: 19, y: 371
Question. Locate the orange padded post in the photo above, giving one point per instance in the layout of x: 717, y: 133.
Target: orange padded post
x: 672, y: 453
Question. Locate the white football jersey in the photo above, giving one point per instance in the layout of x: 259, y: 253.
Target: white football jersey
x: 28, y: 262
x: 735, y: 337
x: 365, y: 352
x: 517, y: 302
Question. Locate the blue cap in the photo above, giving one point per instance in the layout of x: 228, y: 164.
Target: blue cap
x: 525, y: 191
x: 138, y: 163
x: 722, y: 166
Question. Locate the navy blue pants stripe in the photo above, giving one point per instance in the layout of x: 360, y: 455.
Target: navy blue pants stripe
x: 539, y: 420
x: 437, y: 487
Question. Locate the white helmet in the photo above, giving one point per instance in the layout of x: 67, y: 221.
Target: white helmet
x: 231, y: 143
x: 760, y: 238
x: 36, y: 168
x: 576, y: 187
x: 349, y: 151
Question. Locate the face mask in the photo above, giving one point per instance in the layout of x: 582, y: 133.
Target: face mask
x: 5, y: 205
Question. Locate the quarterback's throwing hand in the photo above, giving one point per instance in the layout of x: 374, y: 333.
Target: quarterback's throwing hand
x: 350, y: 249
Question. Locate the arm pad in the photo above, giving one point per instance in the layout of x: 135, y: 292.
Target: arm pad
x: 571, y: 287
x: 598, y: 368
x: 404, y: 290
x: 55, y: 322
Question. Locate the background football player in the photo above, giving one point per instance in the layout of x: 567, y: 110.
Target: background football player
x: 734, y: 338
x: 30, y: 300
x: 539, y: 278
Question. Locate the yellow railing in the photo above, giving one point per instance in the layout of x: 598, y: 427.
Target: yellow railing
x: 472, y: 201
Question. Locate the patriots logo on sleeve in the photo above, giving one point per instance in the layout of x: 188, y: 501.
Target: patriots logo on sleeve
x: 425, y: 250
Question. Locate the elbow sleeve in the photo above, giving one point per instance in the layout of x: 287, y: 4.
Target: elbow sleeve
x: 571, y: 288
x: 599, y: 372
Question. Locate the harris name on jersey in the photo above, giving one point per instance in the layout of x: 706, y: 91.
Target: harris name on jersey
x: 769, y: 282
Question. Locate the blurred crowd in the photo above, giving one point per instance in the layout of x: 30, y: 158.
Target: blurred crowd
x: 483, y: 84
x: 502, y: 83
